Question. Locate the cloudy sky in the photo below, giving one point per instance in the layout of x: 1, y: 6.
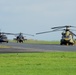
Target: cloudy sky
x: 32, y: 16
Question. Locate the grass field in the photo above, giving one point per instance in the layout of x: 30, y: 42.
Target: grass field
x: 30, y: 41
x: 53, y: 63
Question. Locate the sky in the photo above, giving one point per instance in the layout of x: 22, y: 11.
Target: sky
x: 33, y: 16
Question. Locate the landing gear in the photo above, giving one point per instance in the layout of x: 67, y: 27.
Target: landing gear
x: 20, y: 41
x: 66, y: 42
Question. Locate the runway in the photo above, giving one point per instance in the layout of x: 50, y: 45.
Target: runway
x: 21, y: 47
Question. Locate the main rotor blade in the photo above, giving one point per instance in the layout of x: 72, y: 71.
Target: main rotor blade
x: 58, y: 27
x: 43, y: 32
x: 46, y: 32
x: 28, y: 34
x: 20, y: 33
x: 72, y: 33
x: 6, y: 33
x: 62, y: 27
x: 9, y: 33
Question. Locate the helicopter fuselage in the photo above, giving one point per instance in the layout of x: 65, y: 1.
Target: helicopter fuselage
x: 67, y: 39
x: 3, y: 38
x: 20, y: 39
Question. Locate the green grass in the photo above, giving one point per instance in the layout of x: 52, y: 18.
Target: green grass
x: 30, y: 41
x: 53, y: 63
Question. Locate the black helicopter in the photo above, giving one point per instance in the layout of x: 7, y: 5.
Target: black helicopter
x: 3, y: 37
x: 67, y: 34
x: 20, y: 38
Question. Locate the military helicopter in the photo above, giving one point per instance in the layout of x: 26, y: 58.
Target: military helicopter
x: 20, y: 38
x: 3, y: 37
x: 67, y: 34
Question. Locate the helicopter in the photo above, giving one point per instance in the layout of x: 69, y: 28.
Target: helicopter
x: 3, y: 37
x: 20, y: 38
x: 67, y: 34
